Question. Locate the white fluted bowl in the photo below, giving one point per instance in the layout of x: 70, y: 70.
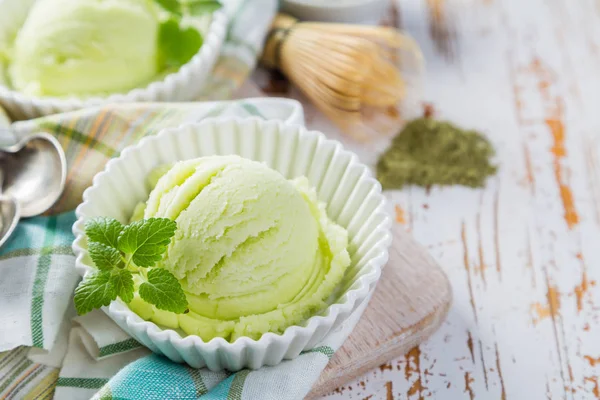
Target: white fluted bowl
x: 183, y: 85
x: 354, y: 200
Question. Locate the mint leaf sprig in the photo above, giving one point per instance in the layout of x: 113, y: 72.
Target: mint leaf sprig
x: 178, y: 44
x: 118, y: 252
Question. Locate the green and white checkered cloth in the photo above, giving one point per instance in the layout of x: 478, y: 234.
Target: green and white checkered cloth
x: 87, y: 355
x: 48, y: 352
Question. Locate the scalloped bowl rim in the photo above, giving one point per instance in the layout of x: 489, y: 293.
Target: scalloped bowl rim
x: 327, y: 316
x: 215, y: 35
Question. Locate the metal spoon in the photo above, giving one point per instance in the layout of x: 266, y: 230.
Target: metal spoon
x: 34, y: 171
x: 9, y: 214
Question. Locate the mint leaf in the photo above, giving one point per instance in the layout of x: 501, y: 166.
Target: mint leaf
x: 122, y: 280
x: 172, y: 6
x: 105, y: 257
x: 103, y: 230
x: 201, y: 7
x: 177, y: 45
x: 164, y: 291
x: 147, y: 240
x: 94, y: 291
x: 144, y: 243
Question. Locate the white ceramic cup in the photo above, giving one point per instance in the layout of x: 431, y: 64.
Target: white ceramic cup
x: 368, y: 12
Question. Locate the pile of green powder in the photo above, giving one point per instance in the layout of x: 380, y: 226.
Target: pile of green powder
x: 428, y: 152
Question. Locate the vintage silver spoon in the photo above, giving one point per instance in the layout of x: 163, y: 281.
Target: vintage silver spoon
x: 9, y: 214
x: 35, y: 170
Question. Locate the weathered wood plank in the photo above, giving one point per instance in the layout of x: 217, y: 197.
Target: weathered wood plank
x: 523, y: 255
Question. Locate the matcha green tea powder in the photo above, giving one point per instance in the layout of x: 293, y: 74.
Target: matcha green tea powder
x: 428, y: 152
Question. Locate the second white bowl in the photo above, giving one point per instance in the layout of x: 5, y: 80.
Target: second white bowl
x: 353, y: 197
x: 183, y: 85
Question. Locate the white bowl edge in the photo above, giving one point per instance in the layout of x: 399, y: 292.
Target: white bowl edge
x: 176, y: 86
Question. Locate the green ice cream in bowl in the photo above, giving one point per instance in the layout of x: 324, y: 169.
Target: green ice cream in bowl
x: 58, y: 55
x: 275, y: 237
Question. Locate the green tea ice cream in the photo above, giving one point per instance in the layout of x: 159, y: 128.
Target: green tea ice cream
x: 86, y: 47
x: 253, y: 251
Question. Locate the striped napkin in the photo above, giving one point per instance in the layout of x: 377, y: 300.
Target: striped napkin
x: 53, y: 352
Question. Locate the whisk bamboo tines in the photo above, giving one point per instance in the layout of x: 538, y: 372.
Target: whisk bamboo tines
x: 343, y: 69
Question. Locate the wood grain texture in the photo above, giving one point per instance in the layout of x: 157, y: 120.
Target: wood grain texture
x: 522, y: 254
x: 410, y: 302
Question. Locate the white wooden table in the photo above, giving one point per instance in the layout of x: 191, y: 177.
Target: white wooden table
x: 523, y: 254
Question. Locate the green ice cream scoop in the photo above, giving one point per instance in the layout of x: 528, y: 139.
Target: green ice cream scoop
x: 254, y: 252
x: 85, y: 47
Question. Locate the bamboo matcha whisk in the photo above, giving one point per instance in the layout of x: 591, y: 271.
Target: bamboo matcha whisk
x: 343, y: 69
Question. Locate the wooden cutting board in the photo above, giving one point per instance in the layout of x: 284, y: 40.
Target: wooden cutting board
x: 410, y: 302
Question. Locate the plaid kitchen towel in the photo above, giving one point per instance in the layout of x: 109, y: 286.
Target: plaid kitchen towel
x: 92, y: 356
x: 38, y: 275
x: 99, y: 348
